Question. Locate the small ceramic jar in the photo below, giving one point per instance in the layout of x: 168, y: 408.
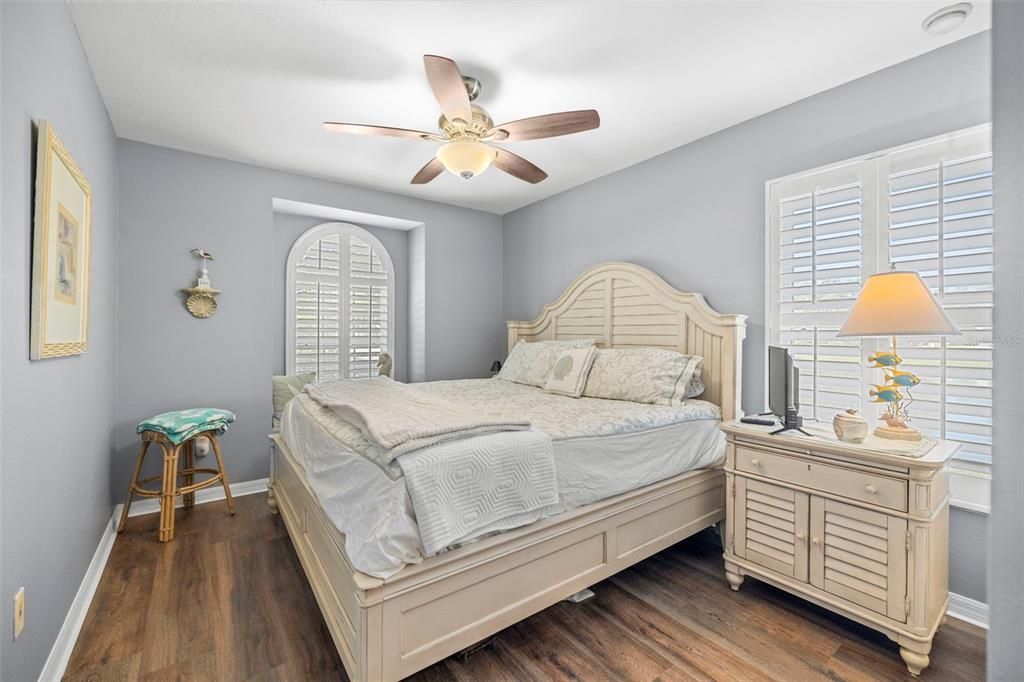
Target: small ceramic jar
x: 850, y: 426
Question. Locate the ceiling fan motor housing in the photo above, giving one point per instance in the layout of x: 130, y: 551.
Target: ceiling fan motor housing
x: 479, y: 126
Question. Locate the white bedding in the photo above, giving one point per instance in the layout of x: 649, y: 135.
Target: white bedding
x: 601, y: 448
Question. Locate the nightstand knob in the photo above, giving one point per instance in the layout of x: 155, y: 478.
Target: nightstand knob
x: 800, y: 535
x: 815, y: 541
x: 870, y: 489
x: 754, y: 463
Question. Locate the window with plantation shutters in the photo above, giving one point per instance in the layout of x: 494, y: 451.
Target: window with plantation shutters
x: 820, y: 270
x: 340, y: 294
x: 925, y: 207
x: 938, y: 218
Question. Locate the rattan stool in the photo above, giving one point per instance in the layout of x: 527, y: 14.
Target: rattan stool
x: 170, y: 490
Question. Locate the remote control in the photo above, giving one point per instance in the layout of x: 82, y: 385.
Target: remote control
x: 759, y: 421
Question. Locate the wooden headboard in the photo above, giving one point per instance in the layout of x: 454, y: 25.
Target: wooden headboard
x: 623, y: 305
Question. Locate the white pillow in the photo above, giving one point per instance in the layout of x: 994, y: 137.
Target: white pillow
x: 531, y: 363
x: 642, y: 375
x: 696, y: 386
x: 569, y: 373
x: 286, y: 388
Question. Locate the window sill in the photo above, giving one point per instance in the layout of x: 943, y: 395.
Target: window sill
x: 970, y: 487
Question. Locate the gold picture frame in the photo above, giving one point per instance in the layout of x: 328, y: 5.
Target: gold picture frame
x: 61, y: 251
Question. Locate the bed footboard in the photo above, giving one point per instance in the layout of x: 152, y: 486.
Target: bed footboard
x: 389, y: 629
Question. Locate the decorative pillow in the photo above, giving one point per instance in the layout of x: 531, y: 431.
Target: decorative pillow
x: 696, y: 386
x: 569, y: 374
x: 531, y: 363
x: 286, y: 388
x: 642, y: 375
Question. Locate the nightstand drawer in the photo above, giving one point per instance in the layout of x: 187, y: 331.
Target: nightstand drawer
x: 851, y: 483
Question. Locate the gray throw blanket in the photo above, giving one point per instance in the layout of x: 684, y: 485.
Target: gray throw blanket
x: 399, y: 419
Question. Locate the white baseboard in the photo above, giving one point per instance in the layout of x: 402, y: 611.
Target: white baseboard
x: 969, y: 610
x: 60, y: 654
x: 151, y: 505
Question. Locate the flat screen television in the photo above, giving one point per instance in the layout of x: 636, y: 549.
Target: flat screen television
x: 784, y: 389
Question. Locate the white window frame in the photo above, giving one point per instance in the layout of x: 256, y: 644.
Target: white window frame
x: 299, y: 248
x: 970, y: 482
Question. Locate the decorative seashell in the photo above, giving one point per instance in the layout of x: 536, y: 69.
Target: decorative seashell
x: 201, y: 305
x: 850, y: 426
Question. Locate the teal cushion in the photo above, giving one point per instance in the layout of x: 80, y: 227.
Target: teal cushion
x: 180, y: 425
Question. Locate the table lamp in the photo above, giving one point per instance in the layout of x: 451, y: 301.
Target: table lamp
x: 895, y: 304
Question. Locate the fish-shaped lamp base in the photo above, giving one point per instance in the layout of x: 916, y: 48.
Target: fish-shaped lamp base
x: 895, y: 394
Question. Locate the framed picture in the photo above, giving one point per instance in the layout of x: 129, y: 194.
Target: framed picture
x: 60, y: 251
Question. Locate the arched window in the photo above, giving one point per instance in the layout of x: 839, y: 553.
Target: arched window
x: 340, y: 298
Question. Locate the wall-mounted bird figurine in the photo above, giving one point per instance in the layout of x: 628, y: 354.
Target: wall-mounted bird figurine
x: 897, y: 377
x: 885, y: 394
x: 204, y: 276
x: 200, y: 299
x: 885, y: 359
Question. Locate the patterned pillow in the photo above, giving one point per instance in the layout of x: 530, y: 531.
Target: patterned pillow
x: 696, y: 386
x: 286, y: 388
x: 569, y: 374
x: 642, y: 375
x: 531, y: 363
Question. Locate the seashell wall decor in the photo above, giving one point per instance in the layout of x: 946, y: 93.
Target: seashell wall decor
x: 201, y: 299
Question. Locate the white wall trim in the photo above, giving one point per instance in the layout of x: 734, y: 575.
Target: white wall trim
x: 60, y: 654
x: 151, y: 505
x: 970, y: 487
x: 967, y: 609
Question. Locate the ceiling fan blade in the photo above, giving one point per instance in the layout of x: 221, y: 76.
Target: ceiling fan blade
x: 549, y: 125
x: 446, y: 81
x: 518, y: 167
x: 357, y: 129
x: 428, y: 172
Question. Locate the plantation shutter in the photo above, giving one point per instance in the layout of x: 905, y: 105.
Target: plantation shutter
x: 342, y: 285
x: 925, y: 208
x: 819, y: 238
x: 368, y: 309
x: 939, y: 222
x: 317, y: 290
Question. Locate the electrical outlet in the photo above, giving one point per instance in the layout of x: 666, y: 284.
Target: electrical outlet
x: 19, y: 612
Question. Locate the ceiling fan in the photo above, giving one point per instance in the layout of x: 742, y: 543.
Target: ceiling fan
x: 466, y: 129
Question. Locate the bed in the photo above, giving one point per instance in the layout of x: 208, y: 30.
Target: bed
x: 417, y: 611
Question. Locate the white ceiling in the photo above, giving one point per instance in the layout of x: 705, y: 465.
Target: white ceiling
x: 253, y: 81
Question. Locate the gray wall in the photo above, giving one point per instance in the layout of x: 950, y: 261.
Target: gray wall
x: 172, y: 201
x: 695, y: 214
x: 288, y: 228
x: 1005, y: 654
x: 58, y: 413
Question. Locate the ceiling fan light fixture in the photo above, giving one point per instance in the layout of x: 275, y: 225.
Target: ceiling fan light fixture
x: 466, y: 157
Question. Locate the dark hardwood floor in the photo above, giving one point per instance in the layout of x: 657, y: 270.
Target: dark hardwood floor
x: 227, y: 600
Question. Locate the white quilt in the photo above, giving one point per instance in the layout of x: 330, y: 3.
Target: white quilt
x: 466, y: 488
x: 467, y: 473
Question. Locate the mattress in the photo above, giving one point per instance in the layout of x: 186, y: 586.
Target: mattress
x: 602, y: 448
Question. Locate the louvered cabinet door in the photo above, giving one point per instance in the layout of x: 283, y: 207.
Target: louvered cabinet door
x: 771, y: 527
x: 860, y: 556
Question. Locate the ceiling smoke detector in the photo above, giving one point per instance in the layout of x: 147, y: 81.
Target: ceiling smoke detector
x: 947, y: 19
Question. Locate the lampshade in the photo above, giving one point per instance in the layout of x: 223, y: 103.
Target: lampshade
x: 896, y: 304
x: 466, y: 157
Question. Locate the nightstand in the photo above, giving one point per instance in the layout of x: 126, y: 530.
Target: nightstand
x: 858, y: 529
